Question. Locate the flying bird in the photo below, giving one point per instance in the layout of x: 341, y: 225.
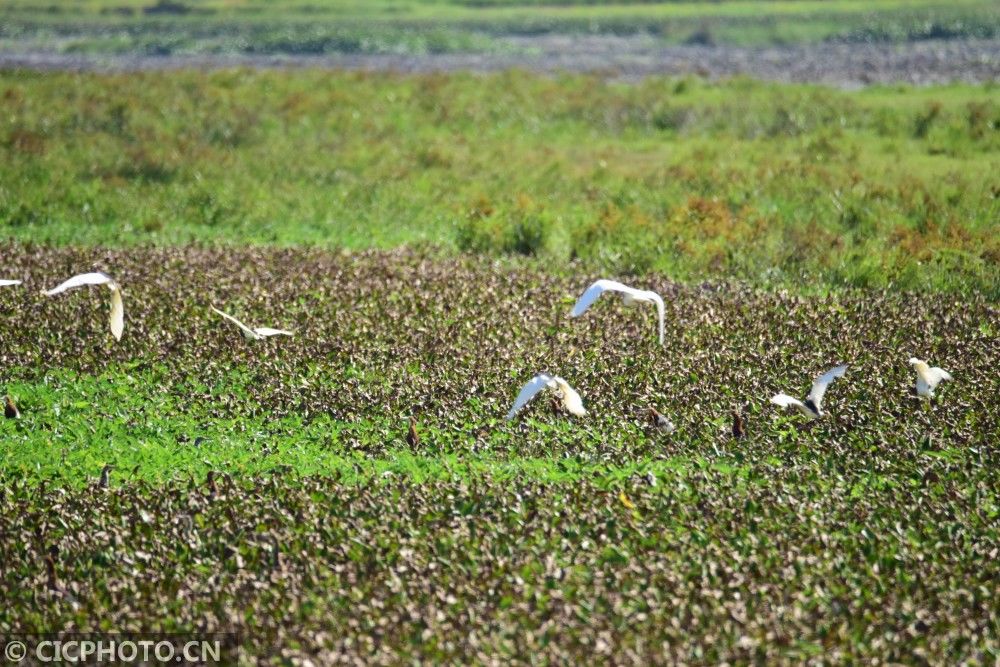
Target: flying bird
x: 812, y: 408
x: 117, y: 318
x: 630, y: 297
x: 8, y: 283
x: 256, y: 333
x: 927, y: 378
x: 571, y: 401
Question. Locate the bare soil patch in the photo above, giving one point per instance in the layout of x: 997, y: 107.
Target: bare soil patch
x: 626, y: 57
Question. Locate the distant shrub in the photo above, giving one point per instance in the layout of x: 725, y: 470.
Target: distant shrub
x: 527, y: 234
x: 787, y: 122
x: 701, y: 37
x: 20, y: 214
x: 521, y: 232
x: 925, y: 119
x: 117, y: 11
x: 912, y: 27
x: 24, y: 140
x: 982, y: 118
x: 167, y: 7
x: 671, y: 118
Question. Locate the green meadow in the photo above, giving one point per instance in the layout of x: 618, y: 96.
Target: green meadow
x: 415, y: 27
x: 788, y: 185
x: 354, y: 493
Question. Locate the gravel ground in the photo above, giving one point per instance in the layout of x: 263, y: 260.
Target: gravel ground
x: 843, y: 65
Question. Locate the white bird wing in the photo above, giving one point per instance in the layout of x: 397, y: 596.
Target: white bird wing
x: 528, y: 392
x: 784, y: 400
x: 822, y: 382
x: 935, y: 375
x: 593, y: 292
x: 588, y: 298
x: 117, y: 314
x: 268, y: 331
x: 247, y: 331
x: 7, y: 283
x: 928, y: 378
x: 80, y: 281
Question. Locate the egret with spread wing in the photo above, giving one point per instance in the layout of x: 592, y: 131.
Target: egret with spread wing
x: 570, y: 400
x: 255, y: 333
x: 812, y: 408
x: 630, y: 297
x: 117, y: 318
x: 927, y: 378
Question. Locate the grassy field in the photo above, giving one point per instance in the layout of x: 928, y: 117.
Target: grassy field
x: 792, y: 186
x: 383, y: 336
x: 422, y: 26
x: 325, y: 534
x: 425, y: 237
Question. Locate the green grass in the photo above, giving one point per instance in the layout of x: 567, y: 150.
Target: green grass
x: 417, y: 26
x: 785, y: 185
x: 284, y: 197
x: 145, y: 424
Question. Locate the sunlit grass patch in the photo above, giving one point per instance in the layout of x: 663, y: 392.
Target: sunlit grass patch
x: 735, y: 179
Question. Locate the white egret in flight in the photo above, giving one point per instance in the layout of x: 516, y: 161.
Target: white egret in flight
x: 927, y: 378
x: 630, y: 297
x: 571, y: 400
x: 117, y: 318
x: 812, y: 408
x: 255, y: 333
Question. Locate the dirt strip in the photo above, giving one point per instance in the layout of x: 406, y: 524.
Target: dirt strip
x: 628, y: 58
